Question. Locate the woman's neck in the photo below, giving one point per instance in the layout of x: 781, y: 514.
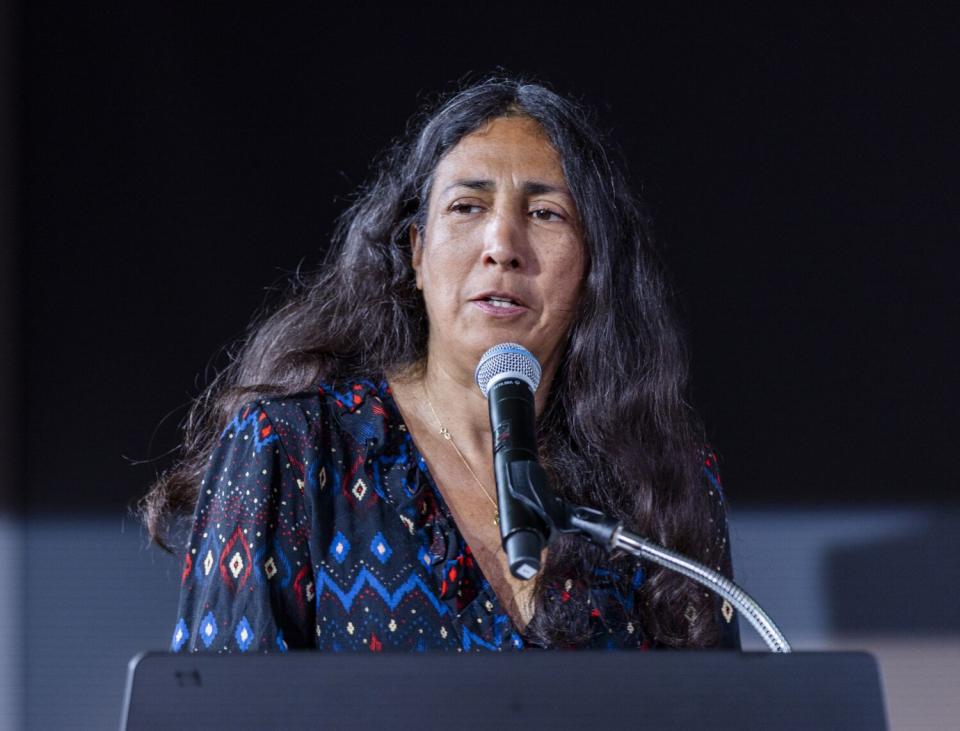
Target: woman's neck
x: 458, y: 404
x: 450, y: 399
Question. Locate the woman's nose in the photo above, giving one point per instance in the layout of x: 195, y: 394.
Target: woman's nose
x: 503, y: 244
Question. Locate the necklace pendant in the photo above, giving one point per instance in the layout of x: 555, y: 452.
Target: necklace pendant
x: 445, y: 433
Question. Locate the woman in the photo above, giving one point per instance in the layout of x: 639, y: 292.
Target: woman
x: 341, y: 466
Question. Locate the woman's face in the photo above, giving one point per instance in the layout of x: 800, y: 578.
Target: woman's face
x: 501, y: 257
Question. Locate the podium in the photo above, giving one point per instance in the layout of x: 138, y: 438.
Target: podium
x: 534, y: 689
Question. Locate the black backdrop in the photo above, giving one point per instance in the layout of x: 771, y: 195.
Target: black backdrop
x: 801, y: 166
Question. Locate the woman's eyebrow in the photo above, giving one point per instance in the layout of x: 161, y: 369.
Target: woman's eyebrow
x: 471, y: 183
x: 538, y: 187
x: 530, y: 187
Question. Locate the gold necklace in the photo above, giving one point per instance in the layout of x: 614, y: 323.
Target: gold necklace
x: 445, y: 433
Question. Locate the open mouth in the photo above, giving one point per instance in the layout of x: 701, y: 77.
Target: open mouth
x: 500, y: 303
x: 503, y: 302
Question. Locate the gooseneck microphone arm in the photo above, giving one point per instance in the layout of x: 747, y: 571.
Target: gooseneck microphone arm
x: 528, y: 484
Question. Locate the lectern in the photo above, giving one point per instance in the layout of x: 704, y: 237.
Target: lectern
x: 526, y: 690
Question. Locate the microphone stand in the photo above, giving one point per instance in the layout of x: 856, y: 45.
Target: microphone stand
x: 528, y: 483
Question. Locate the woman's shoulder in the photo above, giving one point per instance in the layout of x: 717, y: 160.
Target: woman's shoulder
x: 357, y: 407
x: 322, y: 398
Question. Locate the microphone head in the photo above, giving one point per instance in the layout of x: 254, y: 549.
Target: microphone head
x: 507, y: 360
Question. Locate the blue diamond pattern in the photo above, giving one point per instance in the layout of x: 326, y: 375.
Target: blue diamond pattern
x: 340, y: 547
x: 281, y: 643
x: 424, y: 556
x: 380, y: 548
x: 243, y: 635
x: 208, y: 629
x: 180, y: 635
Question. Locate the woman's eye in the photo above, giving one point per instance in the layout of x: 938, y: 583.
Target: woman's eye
x: 545, y: 214
x: 464, y: 208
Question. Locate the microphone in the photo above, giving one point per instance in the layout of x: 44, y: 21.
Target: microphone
x: 508, y: 375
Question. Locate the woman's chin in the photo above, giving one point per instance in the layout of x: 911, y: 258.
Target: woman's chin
x: 467, y: 350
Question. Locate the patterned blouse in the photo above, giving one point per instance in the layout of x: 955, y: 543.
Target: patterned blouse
x: 319, y: 526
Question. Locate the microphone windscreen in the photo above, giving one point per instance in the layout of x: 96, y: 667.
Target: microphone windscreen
x: 507, y: 360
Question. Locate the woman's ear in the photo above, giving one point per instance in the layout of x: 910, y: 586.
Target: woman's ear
x: 416, y: 246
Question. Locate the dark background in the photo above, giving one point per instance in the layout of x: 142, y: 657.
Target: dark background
x: 174, y: 164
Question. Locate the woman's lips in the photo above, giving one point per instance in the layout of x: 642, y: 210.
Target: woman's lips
x: 499, y: 308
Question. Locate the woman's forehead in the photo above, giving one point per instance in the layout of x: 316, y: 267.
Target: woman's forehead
x: 505, y: 145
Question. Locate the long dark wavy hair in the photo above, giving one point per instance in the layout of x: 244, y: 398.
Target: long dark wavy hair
x: 638, y: 456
